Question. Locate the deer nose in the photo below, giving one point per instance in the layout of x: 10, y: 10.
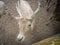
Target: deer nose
x: 20, y: 37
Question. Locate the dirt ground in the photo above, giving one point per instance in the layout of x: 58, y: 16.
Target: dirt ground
x: 44, y: 27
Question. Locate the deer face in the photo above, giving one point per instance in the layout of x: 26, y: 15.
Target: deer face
x: 26, y: 27
x: 25, y: 19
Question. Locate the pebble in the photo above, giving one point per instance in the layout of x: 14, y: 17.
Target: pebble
x: 2, y: 7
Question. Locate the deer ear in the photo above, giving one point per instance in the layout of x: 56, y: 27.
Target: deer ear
x: 16, y: 17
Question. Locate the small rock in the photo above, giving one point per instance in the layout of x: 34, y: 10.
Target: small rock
x: 2, y: 7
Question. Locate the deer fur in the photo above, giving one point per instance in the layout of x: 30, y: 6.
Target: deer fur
x: 26, y: 20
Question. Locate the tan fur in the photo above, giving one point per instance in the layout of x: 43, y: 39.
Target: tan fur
x: 26, y: 22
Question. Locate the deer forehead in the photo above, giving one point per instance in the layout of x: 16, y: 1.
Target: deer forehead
x: 25, y: 21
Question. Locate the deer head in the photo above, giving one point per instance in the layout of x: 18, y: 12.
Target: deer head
x: 26, y: 21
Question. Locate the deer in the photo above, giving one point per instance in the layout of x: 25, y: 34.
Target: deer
x: 25, y: 18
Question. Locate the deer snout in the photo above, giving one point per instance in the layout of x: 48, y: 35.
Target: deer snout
x: 20, y: 37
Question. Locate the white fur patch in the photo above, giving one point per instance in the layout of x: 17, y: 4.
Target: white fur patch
x: 20, y: 36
